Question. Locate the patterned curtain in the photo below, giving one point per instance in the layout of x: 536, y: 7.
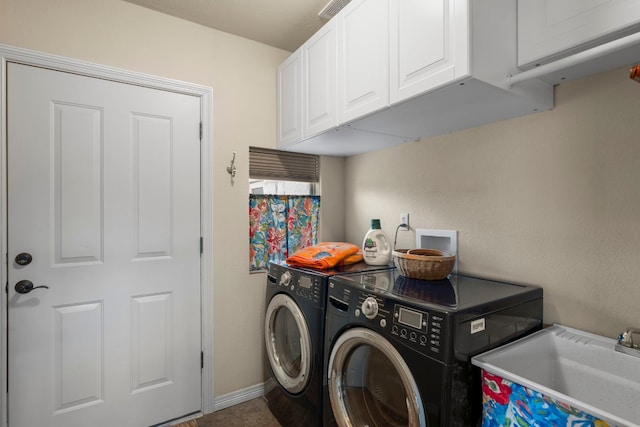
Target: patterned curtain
x: 279, y: 226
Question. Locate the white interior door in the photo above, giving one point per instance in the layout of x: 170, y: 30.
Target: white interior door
x: 104, y: 194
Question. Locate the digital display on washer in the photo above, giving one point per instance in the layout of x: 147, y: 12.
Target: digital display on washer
x: 410, y: 317
x: 305, y: 282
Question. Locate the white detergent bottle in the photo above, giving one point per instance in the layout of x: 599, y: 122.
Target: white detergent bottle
x: 376, y: 249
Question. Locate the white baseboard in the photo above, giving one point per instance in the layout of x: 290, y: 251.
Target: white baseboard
x: 239, y: 396
x: 227, y: 400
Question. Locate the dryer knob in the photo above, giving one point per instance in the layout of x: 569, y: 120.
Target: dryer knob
x: 285, y: 279
x: 370, y: 308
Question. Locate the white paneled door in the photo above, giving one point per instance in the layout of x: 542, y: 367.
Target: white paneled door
x: 104, y: 223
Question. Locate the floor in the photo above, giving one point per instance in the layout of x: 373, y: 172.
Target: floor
x: 253, y: 413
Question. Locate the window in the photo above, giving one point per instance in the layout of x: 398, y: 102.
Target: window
x: 283, y: 207
x: 268, y: 186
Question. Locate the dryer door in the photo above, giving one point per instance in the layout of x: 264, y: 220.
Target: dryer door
x: 288, y: 343
x: 371, y: 384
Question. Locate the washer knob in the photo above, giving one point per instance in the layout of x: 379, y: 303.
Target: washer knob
x: 370, y: 308
x: 285, y: 279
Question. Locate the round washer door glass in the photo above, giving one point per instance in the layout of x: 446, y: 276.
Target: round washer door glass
x: 370, y: 383
x: 288, y: 343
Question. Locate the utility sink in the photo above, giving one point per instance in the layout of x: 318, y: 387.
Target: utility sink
x: 562, y: 376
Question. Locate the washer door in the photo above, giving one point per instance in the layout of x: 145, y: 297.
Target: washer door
x: 370, y: 383
x: 288, y: 343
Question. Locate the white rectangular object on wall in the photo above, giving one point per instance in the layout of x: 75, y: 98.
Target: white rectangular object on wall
x: 442, y: 240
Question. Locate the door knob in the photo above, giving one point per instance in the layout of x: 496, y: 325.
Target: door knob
x: 26, y: 286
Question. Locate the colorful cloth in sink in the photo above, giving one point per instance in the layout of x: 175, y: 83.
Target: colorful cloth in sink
x: 326, y: 255
x: 508, y: 404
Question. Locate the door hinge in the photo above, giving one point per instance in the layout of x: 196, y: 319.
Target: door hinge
x: 201, y: 245
x: 202, y: 360
x: 200, y: 131
x: 6, y: 288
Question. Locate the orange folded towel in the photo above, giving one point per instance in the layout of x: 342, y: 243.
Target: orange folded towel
x: 352, y: 259
x: 325, y: 255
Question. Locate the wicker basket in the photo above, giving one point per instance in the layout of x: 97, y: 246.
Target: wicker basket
x: 425, y: 264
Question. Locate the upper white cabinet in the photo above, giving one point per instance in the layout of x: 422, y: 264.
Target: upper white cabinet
x: 290, y: 100
x: 363, y: 58
x: 307, y: 88
x: 429, y: 45
x: 410, y: 69
x: 319, y: 82
x: 552, y: 29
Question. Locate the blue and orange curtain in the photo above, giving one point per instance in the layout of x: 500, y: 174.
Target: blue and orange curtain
x: 279, y: 226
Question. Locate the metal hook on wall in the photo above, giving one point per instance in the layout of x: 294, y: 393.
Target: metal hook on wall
x: 231, y: 169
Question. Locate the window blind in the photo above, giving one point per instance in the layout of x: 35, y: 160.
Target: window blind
x: 265, y: 163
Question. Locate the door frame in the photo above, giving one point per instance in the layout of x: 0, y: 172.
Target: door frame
x: 59, y: 63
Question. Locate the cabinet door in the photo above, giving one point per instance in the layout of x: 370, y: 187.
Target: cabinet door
x: 319, y: 82
x: 551, y: 29
x: 363, y: 58
x: 429, y: 45
x: 289, y: 100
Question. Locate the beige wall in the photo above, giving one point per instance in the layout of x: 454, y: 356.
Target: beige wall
x: 332, y: 203
x: 242, y: 75
x: 551, y: 199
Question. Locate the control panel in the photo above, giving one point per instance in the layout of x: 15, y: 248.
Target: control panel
x: 418, y: 329
x: 306, y: 286
x: 423, y: 330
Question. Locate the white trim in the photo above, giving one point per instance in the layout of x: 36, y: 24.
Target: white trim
x: 3, y: 238
x: 239, y: 396
x: 29, y: 57
x: 206, y: 258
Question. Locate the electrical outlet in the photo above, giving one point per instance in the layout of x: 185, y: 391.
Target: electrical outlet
x: 404, y: 219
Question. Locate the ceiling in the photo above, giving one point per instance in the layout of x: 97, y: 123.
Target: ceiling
x: 285, y: 24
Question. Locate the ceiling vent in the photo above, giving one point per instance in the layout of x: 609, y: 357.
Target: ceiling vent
x: 332, y: 8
